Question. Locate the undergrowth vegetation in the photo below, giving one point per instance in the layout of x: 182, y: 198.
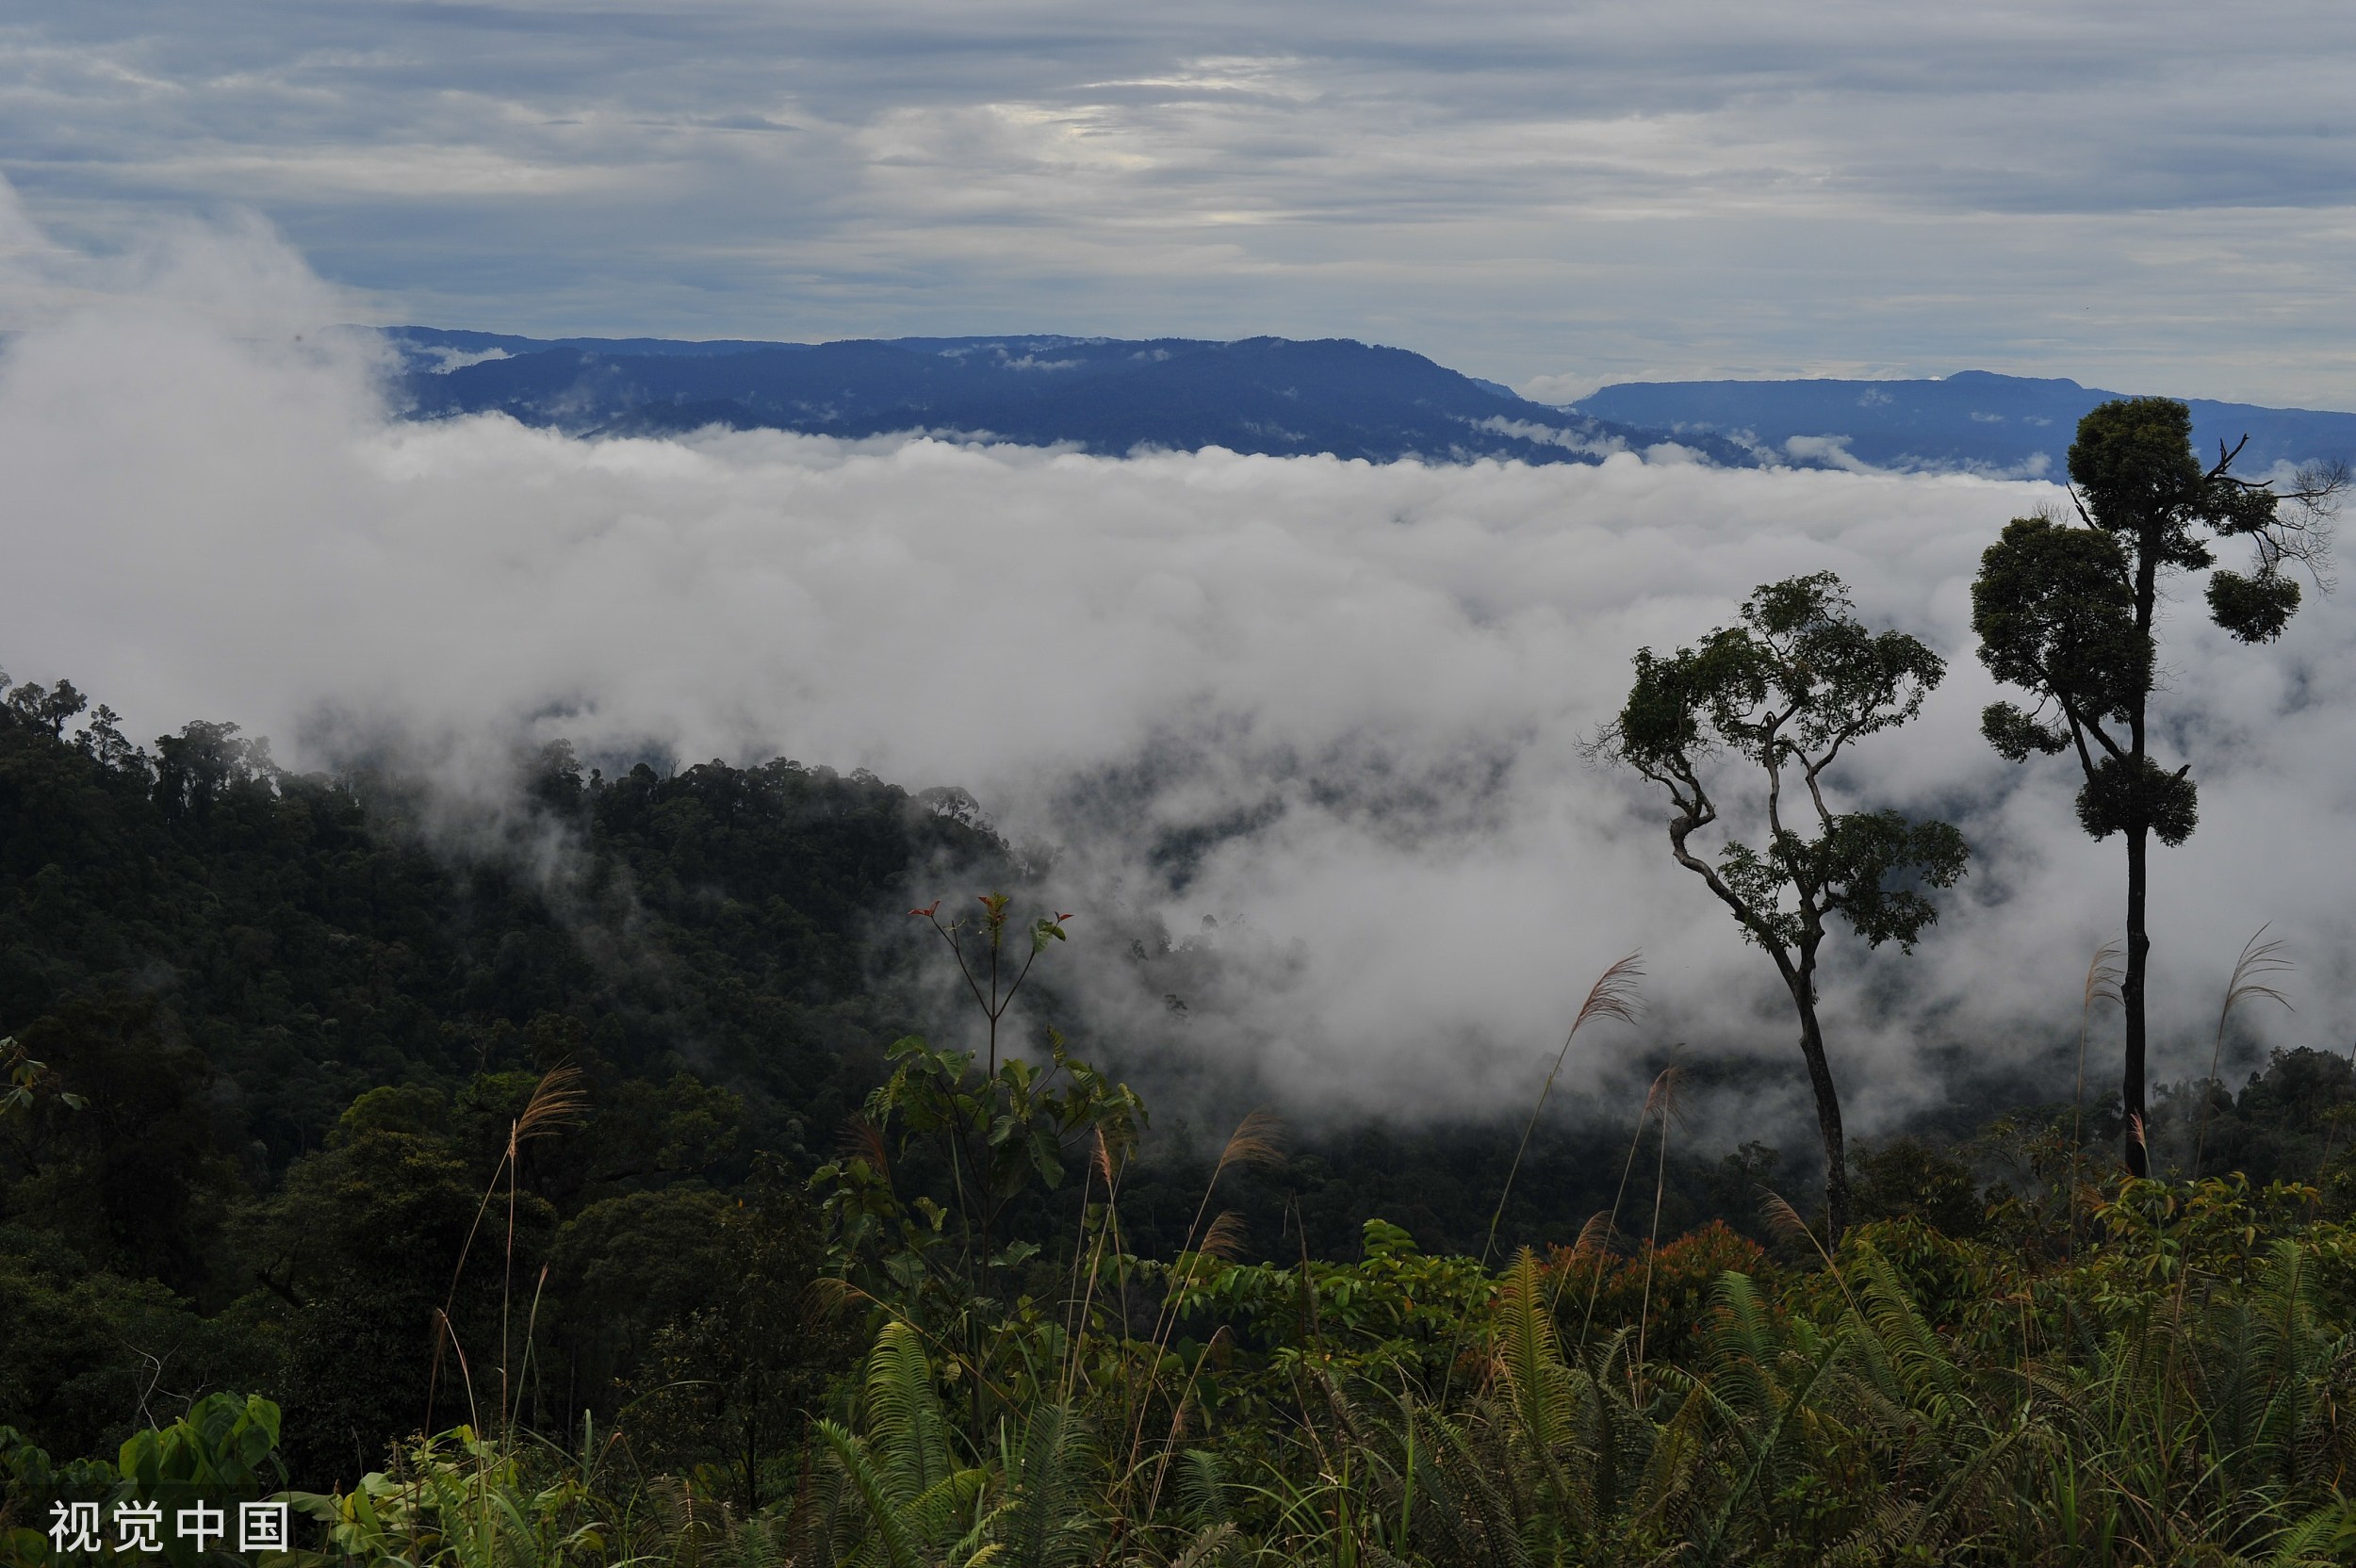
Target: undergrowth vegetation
x: 2104, y: 1369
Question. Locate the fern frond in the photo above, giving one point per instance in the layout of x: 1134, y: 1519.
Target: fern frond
x: 904, y: 1416
x: 889, y: 1530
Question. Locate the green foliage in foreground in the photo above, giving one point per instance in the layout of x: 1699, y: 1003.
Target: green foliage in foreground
x: 2121, y: 1371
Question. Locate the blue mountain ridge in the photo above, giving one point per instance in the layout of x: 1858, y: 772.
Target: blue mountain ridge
x: 1974, y: 420
x: 1114, y: 397
x: 1273, y: 395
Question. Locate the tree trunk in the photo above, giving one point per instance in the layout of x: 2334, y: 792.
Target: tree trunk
x: 1827, y: 1109
x: 2131, y: 1003
x: 2148, y: 543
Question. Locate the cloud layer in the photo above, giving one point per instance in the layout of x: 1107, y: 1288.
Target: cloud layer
x: 1331, y: 706
x: 2157, y: 196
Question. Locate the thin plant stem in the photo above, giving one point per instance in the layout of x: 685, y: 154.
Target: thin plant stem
x: 507, y: 1275
x: 1661, y: 1085
x: 1652, y: 1242
x: 558, y: 1101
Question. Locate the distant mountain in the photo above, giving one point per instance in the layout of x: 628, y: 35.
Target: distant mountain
x: 1279, y: 397
x: 1970, y: 420
x: 1265, y: 395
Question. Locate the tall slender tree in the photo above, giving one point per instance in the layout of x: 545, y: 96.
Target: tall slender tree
x: 1787, y: 692
x: 2068, y: 610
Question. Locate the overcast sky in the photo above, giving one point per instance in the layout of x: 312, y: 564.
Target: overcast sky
x: 2148, y: 195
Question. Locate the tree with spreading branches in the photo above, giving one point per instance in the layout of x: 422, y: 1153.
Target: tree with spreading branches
x: 1787, y: 692
x: 2068, y: 610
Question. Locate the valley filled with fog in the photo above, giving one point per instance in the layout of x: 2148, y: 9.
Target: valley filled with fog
x: 1306, y: 732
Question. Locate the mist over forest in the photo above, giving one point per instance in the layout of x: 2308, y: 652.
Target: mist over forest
x: 1334, y: 708
x: 362, y: 779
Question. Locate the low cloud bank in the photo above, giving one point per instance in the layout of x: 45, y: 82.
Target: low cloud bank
x: 1312, y: 724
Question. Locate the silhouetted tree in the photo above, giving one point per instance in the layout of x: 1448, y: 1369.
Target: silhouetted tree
x: 2067, y: 610
x: 1787, y: 691
x: 46, y: 706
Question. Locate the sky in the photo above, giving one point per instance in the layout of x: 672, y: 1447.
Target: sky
x: 2148, y: 195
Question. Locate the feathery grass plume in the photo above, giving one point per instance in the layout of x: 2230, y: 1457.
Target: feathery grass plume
x: 1785, y: 1221
x: 1258, y: 1141
x: 1102, y: 1163
x: 2102, y: 981
x: 1225, y: 1239
x: 2260, y: 960
x: 862, y: 1139
x: 1595, y: 1233
x: 559, y: 1101
x: 1222, y: 1335
x: 1614, y: 996
x: 1098, y: 1161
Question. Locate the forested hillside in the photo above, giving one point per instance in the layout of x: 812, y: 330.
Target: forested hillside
x: 315, y: 1090
x: 302, y: 1011
x: 300, y: 1016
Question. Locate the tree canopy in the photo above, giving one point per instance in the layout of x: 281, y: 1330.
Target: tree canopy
x: 2068, y: 611
x: 1785, y: 694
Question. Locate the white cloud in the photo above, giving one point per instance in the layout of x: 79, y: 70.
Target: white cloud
x: 2151, y: 196
x: 1830, y: 450
x: 1568, y: 388
x: 1364, y: 687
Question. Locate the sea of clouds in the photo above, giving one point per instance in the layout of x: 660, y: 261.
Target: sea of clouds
x: 1353, y: 696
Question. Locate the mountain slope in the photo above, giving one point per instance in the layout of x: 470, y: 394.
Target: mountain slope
x: 1262, y: 395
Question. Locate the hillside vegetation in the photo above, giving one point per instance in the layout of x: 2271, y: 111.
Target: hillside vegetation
x: 573, y: 1138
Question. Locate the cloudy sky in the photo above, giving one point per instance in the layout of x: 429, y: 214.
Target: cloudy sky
x: 2144, y: 194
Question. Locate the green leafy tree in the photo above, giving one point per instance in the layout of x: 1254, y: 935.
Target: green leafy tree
x: 358, y: 1246
x: 2069, y: 610
x: 995, y: 1149
x: 1787, y: 694
x: 46, y: 706
x: 728, y: 1385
